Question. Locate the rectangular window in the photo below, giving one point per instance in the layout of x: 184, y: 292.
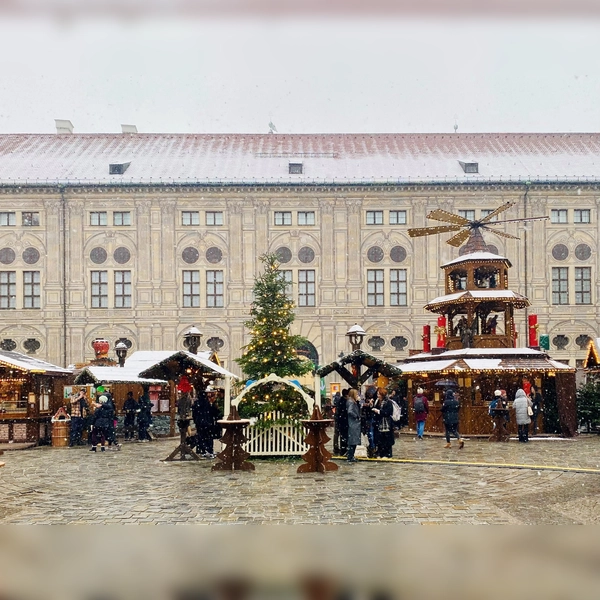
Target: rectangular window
x: 214, y: 218
x: 581, y: 215
x: 374, y: 217
x: 99, y: 289
x: 8, y: 219
x: 122, y: 289
x: 398, y: 287
x: 122, y: 218
x: 191, y: 289
x: 8, y: 289
x: 286, y: 275
x: 558, y: 216
x: 214, y: 289
x: 31, y: 289
x: 467, y: 214
x: 98, y: 218
x: 488, y: 211
x: 397, y: 217
x: 583, y: 285
x: 295, y: 169
x: 283, y: 218
x: 190, y: 217
x: 374, y: 287
x: 30, y: 219
x: 306, y: 218
x: 560, y: 285
x: 306, y: 287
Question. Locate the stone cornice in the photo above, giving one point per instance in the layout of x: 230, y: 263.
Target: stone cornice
x: 321, y: 188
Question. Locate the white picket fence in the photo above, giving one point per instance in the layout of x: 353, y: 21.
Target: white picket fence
x: 278, y: 440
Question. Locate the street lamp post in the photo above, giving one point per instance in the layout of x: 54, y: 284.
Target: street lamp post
x: 191, y: 339
x: 356, y: 334
x: 121, y: 352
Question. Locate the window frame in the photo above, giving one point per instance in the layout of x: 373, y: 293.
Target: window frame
x: 97, y: 215
x: 32, y: 290
x: 467, y: 213
x: 122, y: 214
x: 99, y: 289
x: 581, y: 283
x: 122, y: 288
x: 397, y: 221
x: 8, y: 290
x: 580, y: 212
x: 33, y: 216
x: 375, y: 287
x: 189, y: 215
x: 560, y: 286
x: 190, y: 279
x: 374, y: 217
x: 396, y: 287
x: 307, y: 289
x: 304, y: 219
x: 215, y: 289
x: 559, y: 213
x: 11, y: 218
x: 284, y: 216
x: 216, y: 215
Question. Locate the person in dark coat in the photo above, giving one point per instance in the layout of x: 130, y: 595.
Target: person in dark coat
x: 216, y: 415
x: 78, y: 409
x: 353, y: 411
x: 421, y: 408
x: 367, y: 420
x: 130, y: 409
x: 450, y: 409
x: 111, y: 434
x: 102, y: 422
x: 341, y: 417
x: 203, y: 420
x: 382, y: 422
x: 537, y: 400
x: 144, y: 416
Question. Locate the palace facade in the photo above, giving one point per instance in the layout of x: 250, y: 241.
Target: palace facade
x: 138, y: 236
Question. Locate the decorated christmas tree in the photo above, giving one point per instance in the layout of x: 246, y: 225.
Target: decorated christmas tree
x: 272, y: 348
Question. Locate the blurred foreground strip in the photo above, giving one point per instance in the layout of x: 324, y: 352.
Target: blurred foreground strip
x: 304, y: 562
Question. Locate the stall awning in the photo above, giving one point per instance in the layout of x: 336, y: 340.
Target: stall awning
x: 113, y: 375
x: 28, y: 364
x: 157, y: 363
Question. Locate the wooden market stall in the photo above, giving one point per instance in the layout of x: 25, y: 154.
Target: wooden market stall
x: 31, y: 390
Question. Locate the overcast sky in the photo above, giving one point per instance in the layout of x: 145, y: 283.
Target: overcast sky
x: 305, y: 74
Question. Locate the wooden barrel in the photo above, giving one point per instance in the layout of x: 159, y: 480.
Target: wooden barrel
x: 60, y: 433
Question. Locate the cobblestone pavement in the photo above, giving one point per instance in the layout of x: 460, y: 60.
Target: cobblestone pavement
x: 73, y: 485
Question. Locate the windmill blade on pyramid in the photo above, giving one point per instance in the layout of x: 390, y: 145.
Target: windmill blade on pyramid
x: 459, y: 238
x: 420, y: 231
x: 500, y: 209
x: 502, y: 234
x: 443, y: 215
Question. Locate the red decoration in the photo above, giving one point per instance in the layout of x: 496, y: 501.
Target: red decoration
x: 184, y: 385
x: 533, y: 331
x: 101, y: 347
x: 426, y: 338
x: 440, y: 330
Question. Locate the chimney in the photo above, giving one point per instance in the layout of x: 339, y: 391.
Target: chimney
x: 63, y: 126
x: 128, y: 129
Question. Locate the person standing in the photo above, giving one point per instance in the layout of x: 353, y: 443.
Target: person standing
x: 353, y: 412
x: 102, y: 423
x: 130, y: 409
x: 341, y: 416
x: 144, y: 416
x: 216, y: 415
x: 382, y: 419
x: 537, y: 401
x: 203, y: 420
x: 366, y: 415
x: 450, y: 409
x: 78, y: 409
x: 521, y: 404
x: 421, y: 408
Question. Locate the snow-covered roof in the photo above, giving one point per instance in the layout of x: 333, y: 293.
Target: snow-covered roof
x: 474, y: 256
x: 27, y: 363
x: 115, y: 375
x: 146, y: 359
x: 424, y: 366
x: 326, y: 158
x: 486, y: 294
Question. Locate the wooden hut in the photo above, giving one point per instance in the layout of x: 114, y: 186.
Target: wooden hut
x: 31, y: 390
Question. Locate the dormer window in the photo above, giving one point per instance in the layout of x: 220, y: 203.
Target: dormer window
x: 295, y: 168
x: 469, y: 167
x: 118, y: 168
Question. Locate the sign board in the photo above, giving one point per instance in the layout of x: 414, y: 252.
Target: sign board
x: 334, y: 388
